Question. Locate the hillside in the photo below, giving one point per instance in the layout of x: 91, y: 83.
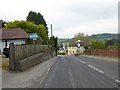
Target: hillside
x: 104, y: 36
x: 64, y: 40
x: 100, y: 37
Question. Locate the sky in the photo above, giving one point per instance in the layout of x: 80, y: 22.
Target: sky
x: 68, y: 17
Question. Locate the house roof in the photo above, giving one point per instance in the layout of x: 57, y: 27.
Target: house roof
x: 74, y: 44
x: 13, y: 33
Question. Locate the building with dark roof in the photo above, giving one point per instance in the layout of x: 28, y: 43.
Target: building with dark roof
x: 75, y: 48
x: 14, y: 35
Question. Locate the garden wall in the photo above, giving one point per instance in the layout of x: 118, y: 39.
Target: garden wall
x: 113, y: 52
x: 23, y: 57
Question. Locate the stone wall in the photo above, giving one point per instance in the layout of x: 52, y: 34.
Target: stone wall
x: 23, y: 57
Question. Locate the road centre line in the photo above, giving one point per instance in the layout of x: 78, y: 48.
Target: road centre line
x: 118, y: 81
x: 82, y: 62
x: 91, y: 66
x: 96, y: 69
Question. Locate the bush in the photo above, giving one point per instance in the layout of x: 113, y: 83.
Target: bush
x: 97, y: 45
x: 77, y: 54
x: 60, y: 53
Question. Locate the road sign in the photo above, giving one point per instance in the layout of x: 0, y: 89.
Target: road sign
x: 33, y: 36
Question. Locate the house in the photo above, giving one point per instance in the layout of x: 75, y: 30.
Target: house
x: 72, y: 50
x: 15, y: 35
x: 75, y: 48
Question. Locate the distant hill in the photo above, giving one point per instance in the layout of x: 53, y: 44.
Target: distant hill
x: 63, y: 40
x: 100, y: 37
x: 104, y: 36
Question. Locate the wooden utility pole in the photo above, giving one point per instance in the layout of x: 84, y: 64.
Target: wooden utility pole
x: 52, y: 40
x: 51, y: 35
x: 51, y: 31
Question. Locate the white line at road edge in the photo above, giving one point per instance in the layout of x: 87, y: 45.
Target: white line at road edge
x: 96, y: 69
x: 118, y: 81
x: 46, y: 73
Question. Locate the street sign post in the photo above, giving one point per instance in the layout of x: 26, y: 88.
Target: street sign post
x: 33, y: 36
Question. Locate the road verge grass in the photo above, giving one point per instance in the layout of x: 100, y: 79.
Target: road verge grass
x: 5, y: 63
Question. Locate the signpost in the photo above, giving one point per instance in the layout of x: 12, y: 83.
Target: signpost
x: 33, y: 36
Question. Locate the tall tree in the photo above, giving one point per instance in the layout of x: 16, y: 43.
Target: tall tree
x: 54, y: 42
x: 2, y: 24
x: 37, y: 18
x: 84, y: 38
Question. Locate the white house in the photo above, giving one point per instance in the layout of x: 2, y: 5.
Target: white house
x: 15, y: 35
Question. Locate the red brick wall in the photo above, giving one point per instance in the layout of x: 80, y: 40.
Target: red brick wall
x: 115, y: 52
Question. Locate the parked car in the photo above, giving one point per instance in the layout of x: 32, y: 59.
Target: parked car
x: 6, y: 52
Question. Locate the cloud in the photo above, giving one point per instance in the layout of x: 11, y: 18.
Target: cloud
x: 67, y: 16
x: 99, y: 26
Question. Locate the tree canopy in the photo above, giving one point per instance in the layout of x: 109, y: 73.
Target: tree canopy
x: 97, y: 45
x: 2, y: 24
x: 29, y: 27
x: 54, y: 42
x: 37, y: 18
x: 84, y: 38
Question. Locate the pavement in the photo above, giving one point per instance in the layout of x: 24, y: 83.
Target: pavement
x: 26, y: 79
x: 0, y: 71
x: 81, y: 72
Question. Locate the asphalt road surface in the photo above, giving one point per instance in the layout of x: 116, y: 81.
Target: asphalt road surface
x: 81, y: 72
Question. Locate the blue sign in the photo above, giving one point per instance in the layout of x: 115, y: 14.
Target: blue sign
x: 33, y: 36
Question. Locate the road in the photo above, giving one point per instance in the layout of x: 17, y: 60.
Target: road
x: 81, y: 72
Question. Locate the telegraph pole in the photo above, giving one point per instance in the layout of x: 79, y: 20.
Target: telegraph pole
x: 51, y: 31
x: 51, y: 34
x: 52, y: 40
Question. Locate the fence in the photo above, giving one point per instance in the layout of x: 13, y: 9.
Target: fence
x: 114, y: 52
x: 23, y: 57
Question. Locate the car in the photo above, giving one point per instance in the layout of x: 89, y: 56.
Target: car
x: 6, y: 52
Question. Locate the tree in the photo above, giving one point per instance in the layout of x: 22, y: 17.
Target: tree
x: 43, y: 33
x: 97, y: 45
x: 54, y: 42
x: 37, y: 18
x: 112, y: 43
x: 2, y: 24
x: 84, y: 38
x: 30, y: 27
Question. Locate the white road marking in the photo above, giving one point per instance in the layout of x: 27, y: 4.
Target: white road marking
x: 96, y: 69
x: 49, y: 69
x: 46, y: 73
x: 118, y: 81
x: 82, y: 62
x: 76, y: 59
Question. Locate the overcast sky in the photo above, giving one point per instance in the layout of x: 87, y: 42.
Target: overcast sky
x: 67, y: 16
